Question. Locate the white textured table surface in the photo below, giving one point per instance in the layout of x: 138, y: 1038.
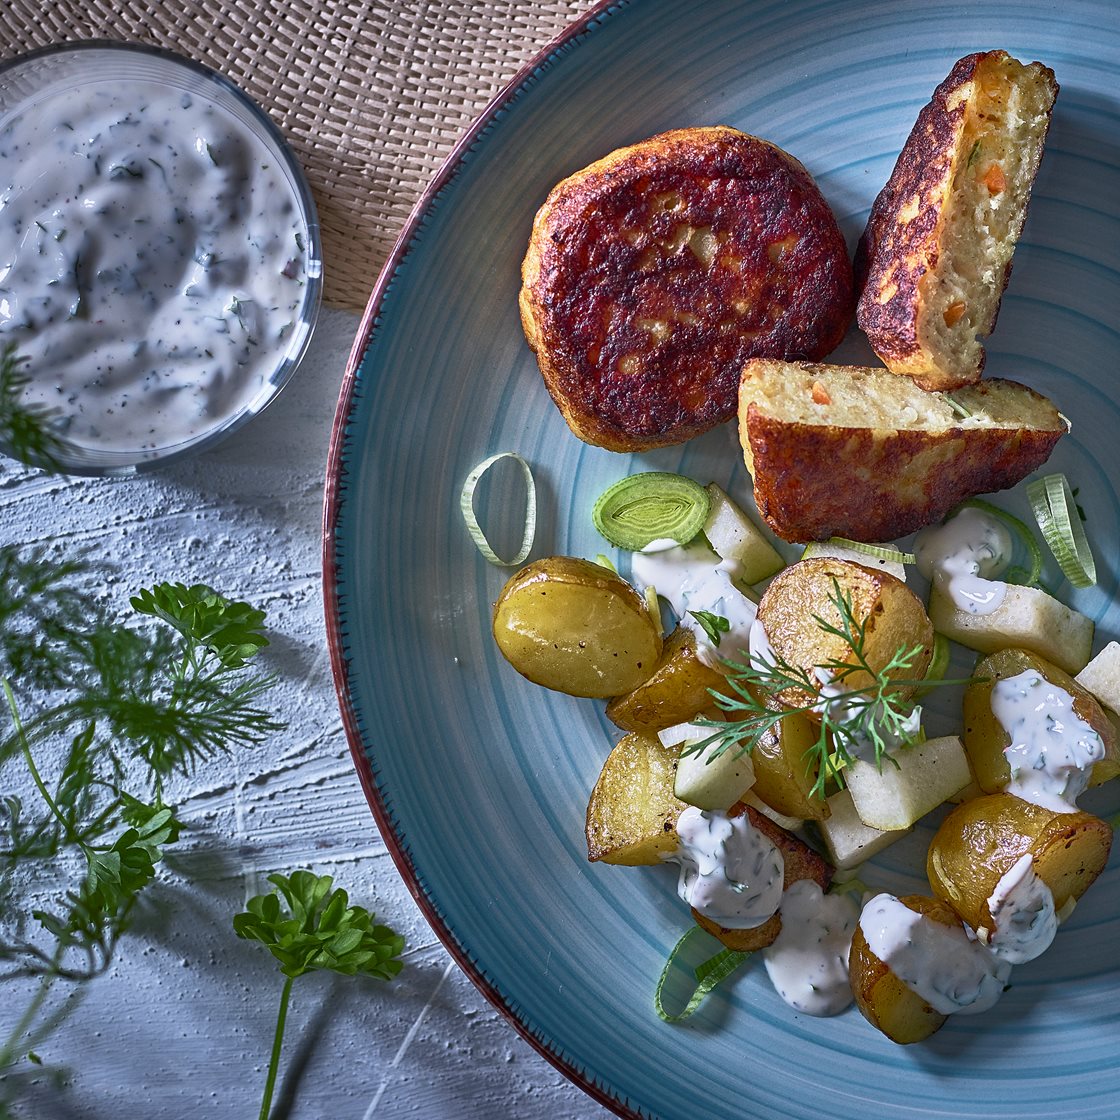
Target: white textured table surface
x: 182, y: 1023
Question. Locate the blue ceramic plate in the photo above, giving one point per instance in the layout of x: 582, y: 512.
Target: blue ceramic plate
x: 479, y: 779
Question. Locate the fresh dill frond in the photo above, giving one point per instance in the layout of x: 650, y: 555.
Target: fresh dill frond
x: 855, y: 719
x: 26, y: 431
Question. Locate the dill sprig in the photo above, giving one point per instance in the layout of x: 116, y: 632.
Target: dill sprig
x: 91, y: 709
x: 855, y: 719
x: 26, y: 431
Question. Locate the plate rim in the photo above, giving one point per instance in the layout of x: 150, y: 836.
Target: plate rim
x: 333, y: 489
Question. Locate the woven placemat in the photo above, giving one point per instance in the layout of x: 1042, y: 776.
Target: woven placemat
x: 372, y: 95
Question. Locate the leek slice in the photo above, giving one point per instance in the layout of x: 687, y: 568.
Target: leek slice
x: 880, y: 552
x: 1052, y: 501
x: 655, y: 505
x: 709, y: 975
x: 466, y: 505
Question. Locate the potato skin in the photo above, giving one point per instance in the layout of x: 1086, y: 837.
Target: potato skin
x: 800, y: 862
x: 893, y: 618
x: 884, y: 1000
x: 981, y: 840
x: 654, y: 273
x: 676, y: 691
x: 632, y: 812
x: 781, y: 776
x: 984, y: 737
x: 576, y: 627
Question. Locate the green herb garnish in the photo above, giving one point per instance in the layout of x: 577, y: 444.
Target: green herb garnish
x: 317, y: 930
x: 877, y: 717
x: 25, y: 429
x: 98, y: 715
x: 714, y: 625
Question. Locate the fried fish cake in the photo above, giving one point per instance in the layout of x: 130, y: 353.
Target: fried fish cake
x: 856, y: 452
x: 935, y: 257
x: 656, y: 272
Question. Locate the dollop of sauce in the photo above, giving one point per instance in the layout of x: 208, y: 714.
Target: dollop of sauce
x: 953, y: 973
x: 730, y: 872
x: 843, y: 706
x: 1052, y: 749
x: 808, y: 962
x: 693, y: 579
x: 963, y: 556
x: 1023, y: 917
x: 152, y: 261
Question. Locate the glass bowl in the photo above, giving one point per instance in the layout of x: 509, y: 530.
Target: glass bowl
x: 82, y: 73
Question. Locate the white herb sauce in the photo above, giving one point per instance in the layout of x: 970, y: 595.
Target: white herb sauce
x: 1052, y: 748
x: 963, y: 556
x: 730, y: 872
x: 152, y: 261
x: 942, y: 964
x: 808, y: 963
x: 1023, y: 917
x: 693, y: 579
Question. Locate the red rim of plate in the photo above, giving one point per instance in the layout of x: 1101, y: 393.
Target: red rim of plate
x: 332, y: 499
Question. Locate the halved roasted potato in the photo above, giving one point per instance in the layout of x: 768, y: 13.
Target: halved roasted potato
x: 981, y: 840
x: 885, y: 1001
x: 861, y: 453
x: 784, y: 775
x: 676, y: 691
x: 892, y: 616
x: 632, y: 813
x: 576, y: 627
x: 985, y: 738
x: 800, y: 861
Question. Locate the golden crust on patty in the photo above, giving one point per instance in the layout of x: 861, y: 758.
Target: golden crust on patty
x: 653, y: 274
x: 936, y: 255
x: 861, y: 453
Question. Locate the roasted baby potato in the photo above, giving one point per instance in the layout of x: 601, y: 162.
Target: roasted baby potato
x: 632, y: 814
x: 886, y: 1002
x: 892, y: 615
x: 576, y: 627
x: 984, y: 737
x: 675, y: 692
x: 861, y: 453
x: 801, y: 862
x: 783, y: 776
x: 981, y: 840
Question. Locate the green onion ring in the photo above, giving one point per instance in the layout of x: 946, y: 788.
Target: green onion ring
x: 938, y: 664
x: 466, y: 505
x: 880, y: 552
x: 1052, y: 500
x: 709, y: 975
x: 1027, y: 577
x: 656, y: 505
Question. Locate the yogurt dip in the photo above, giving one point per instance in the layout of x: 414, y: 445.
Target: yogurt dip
x: 155, y: 259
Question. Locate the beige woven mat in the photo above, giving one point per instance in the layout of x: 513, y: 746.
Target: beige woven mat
x: 372, y: 95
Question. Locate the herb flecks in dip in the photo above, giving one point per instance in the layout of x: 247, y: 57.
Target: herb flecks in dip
x: 152, y: 261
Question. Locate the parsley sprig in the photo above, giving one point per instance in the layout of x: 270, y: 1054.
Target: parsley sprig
x: 99, y: 715
x: 308, y: 925
x: 855, y: 719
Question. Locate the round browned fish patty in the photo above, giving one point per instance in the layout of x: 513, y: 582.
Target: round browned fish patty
x: 656, y: 272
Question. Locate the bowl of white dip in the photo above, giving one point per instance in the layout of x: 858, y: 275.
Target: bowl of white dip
x: 160, y: 258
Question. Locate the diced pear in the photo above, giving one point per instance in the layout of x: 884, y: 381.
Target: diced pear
x: 1028, y: 618
x: 848, y: 839
x: 738, y: 539
x: 842, y: 552
x: 1101, y: 676
x: 897, y: 796
x: 715, y: 784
